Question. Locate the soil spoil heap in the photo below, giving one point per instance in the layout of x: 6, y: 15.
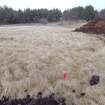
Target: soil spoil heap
x: 96, y: 26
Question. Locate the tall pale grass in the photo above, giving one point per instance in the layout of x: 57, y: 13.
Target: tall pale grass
x: 34, y: 58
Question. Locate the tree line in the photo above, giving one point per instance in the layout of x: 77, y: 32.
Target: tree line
x: 10, y: 16
x: 87, y: 13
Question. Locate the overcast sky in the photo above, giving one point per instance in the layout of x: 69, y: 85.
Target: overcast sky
x: 61, y: 4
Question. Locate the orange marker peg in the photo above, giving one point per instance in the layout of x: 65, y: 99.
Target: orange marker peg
x: 74, y: 68
x: 65, y: 75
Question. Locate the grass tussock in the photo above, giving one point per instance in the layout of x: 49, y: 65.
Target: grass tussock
x: 34, y: 58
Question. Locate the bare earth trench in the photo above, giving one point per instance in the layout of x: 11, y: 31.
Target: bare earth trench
x: 34, y: 58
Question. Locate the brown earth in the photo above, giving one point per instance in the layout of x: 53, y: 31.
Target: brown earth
x: 39, y: 100
x: 96, y: 26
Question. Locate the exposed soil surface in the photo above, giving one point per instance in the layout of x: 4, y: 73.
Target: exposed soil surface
x: 39, y: 100
x: 97, y: 26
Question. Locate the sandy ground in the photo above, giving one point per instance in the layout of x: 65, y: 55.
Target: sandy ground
x: 34, y: 58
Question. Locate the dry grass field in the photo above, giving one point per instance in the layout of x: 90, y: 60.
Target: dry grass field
x: 34, y: 58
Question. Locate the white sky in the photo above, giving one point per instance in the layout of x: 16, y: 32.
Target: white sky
x: 49, y: 4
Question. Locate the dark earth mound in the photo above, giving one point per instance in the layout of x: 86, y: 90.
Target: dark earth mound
x: 39, y: 100
x: 96, y: 26
x: 94, y: 80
